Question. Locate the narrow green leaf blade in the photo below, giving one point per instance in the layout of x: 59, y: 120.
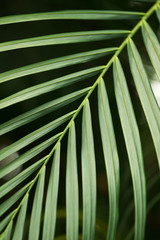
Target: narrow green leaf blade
x: 146, y: 96
x: 19, y: 97
x: 88, y: 175
x: 133, y: 145
x: 110, y: 156
x: 40, y: 111
x: 72, y: 203
x: 10, y: 201
x: 152, y: 46
x: 18, y: 232
x: 52, y: 197
x: 77, y: 15
x: 5, y: 221
x: 11, y: 184
x: 8, y: 231
x: 62, y: 38
x: 55, y: 63
x: 45, y: 87
x: 31, y: 137
x: 28, y: 156
x: 158, y: 13
x: 34, y: 228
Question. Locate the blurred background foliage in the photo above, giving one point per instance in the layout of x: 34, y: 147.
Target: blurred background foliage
x: 13, y: 59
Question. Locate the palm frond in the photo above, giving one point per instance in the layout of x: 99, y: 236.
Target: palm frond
x: 111, y: 157
x: 34, y: 228
x: 88, y: 175
x: 75, y: 15
x: 72, y: 201
x: 18, y: 231
x: 146, y: 95
x: 152, y: 45
x: 42, y: 219
x: 56, y: 39
x: 133, y: 145
x: 52, y: 196
x: 33, y: 136
x: 55, y: 64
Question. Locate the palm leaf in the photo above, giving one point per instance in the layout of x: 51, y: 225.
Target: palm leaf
x: 10, y: 201
x: 158, y: 12
x: 67, y: 38
x: 7, y: 235
x: 55, y: 64
x: 80, y: 15
x: 34, y: 229
x: 6, y: 220
x: 8, y: 186
x: 149, y: 103
x: 133, y: 145
x: 52, y: 196
x: 152, y: 46
x: 18, y: 232
x: 111, y: 157
x: 72, y: 186
x: 33, y: 136
x: 28, y: 156
x: 84, y: 135
x: 88, y: 175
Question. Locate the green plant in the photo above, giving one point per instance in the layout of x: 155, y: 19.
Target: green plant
x: 34, y: 174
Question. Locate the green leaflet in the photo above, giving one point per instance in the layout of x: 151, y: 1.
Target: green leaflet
x: 10, y: 201
x: 7, y: 235
x: 34, y: 229
x: 68, y: 98
x: 38, y: 90
x: 31, y: 137
x: 110, y: 156
x: 72, y: 205
x: 62, y: 38
x: 55, y: 63
x: 28, y: 156
x: 49, y: 86
x: 11, y: 184
x: 40, y: 110
x: 5, y: 221
x: 146, y: 96
x: 133, y: 145
x: 88, y: 175
x: 18, y: 232
x: 79, y: 15
x: 158, y: 13
x: 152, y: 46
x: 52, y: 197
